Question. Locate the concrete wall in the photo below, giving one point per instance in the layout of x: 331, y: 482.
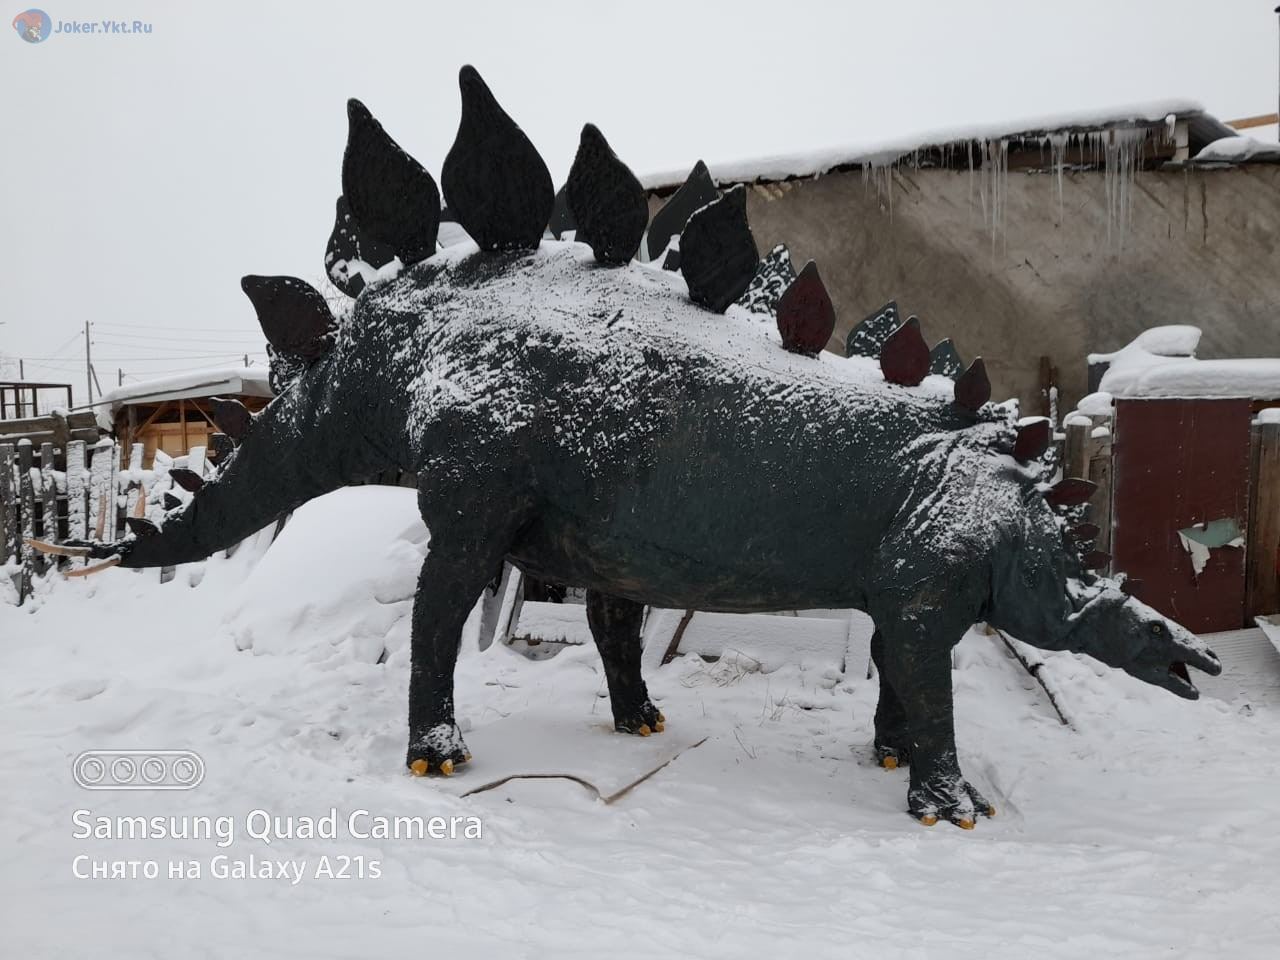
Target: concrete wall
x: 1199, y: 247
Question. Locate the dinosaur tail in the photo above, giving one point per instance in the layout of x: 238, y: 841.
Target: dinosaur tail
x: 298, y: 448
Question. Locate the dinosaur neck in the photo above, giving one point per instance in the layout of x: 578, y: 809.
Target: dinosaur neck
x: 1031, y: 593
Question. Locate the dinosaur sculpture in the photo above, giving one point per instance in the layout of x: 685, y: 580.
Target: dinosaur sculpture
x: 589, y: 423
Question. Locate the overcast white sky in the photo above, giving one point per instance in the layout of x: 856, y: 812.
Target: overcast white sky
x: 145, y: 174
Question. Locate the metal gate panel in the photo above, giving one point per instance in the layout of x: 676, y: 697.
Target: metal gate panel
x: 1181, y: 481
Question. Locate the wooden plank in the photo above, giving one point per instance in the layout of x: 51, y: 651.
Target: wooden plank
x: 1263, y: 537
x: 24, y: 426
x: 32, y: 562
x: 1260, y: 120
x: 8, y: 506
x: 1099, y: 511
x: 1075, y: 461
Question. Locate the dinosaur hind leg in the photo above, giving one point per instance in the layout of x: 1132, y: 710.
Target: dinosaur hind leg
x: 615, y: 627
x: 893, y: 742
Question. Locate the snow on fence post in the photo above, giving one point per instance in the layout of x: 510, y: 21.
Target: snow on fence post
x: 100, y: 492
x: 48, y: 495
x: 8, y: 507
x: 196, y: 459
x: 115, y: 515
x: 27, y: 508
x: 77, y: 514
x: 1262, y: 541
x: 135, y: 501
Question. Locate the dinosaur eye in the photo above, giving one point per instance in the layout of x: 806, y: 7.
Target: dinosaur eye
x: 1157, y: 629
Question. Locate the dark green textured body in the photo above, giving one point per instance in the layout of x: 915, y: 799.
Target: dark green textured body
x: 596, y: 428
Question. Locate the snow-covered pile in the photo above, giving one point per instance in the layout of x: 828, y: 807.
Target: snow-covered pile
x: 1239, y: 150
x: 1161, y: 362
x: 1147, y: 830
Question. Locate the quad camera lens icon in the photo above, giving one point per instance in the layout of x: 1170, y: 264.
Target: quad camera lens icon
x: 138, y: 769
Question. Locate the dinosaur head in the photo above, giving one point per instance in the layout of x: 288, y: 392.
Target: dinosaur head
x: 1124, y: 632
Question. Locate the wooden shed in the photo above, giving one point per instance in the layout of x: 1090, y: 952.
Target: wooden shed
x: 173, y: 414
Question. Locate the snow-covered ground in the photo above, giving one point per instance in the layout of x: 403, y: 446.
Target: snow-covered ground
x: 1147, y: 830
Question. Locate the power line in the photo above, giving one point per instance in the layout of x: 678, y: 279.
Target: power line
x: 52, y: 361
x: 248, y: 337
x: 153, y: 326
x: 168, y: 351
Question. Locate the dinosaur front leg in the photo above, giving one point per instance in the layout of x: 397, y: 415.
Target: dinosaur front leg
x: 456, y: 570
x: 615, y: 626
x: 893, y: 741
x: 917, y: 663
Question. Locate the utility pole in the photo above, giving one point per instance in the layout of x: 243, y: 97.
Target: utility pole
x: 1278, y: 88
x: 119, y: 377
x: 88, y: 363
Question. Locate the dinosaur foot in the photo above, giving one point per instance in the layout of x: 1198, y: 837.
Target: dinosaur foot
x: 440, y: 750
x: 642, y: 721
x: 891, y: 758
x: 948, y: 797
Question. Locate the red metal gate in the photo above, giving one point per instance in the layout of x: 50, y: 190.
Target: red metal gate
x: 1182, y: 473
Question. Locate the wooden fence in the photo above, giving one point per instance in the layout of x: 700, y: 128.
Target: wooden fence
x: 79, y: 490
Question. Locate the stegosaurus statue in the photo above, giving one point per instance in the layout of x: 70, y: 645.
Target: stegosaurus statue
x: 600, y: 422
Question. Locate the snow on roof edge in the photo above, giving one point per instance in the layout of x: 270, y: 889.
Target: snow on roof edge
x: 876, y: 152
x: 253, y: 381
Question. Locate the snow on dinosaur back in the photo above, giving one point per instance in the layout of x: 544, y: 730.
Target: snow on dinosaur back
x: 598, y: 424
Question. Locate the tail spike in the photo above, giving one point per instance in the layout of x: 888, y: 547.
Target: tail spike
x: 718, y: 253
x: 494, y: 180
x: 606, y: 200
x: 696, y: 192
x: 348, y: 249
x: 188, y: 480
x: 141, y: 527
x: 221, y: 446
x: 806, y: 316
x: 293, y: 315
x: 868, y: 337
x: 904, y: 358
x: 171, y: 502
x: 1095, y: 560
x: 944, y: 360
x: 973, y: 388
x: 231, y: 417
x: 1071, y: 492
x: 1033, y: 439
x: 1084, y: 532
x: 392, y: 198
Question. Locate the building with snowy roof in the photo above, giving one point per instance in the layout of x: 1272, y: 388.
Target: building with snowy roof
x: 174, y: 414
x: 1035, y: 243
